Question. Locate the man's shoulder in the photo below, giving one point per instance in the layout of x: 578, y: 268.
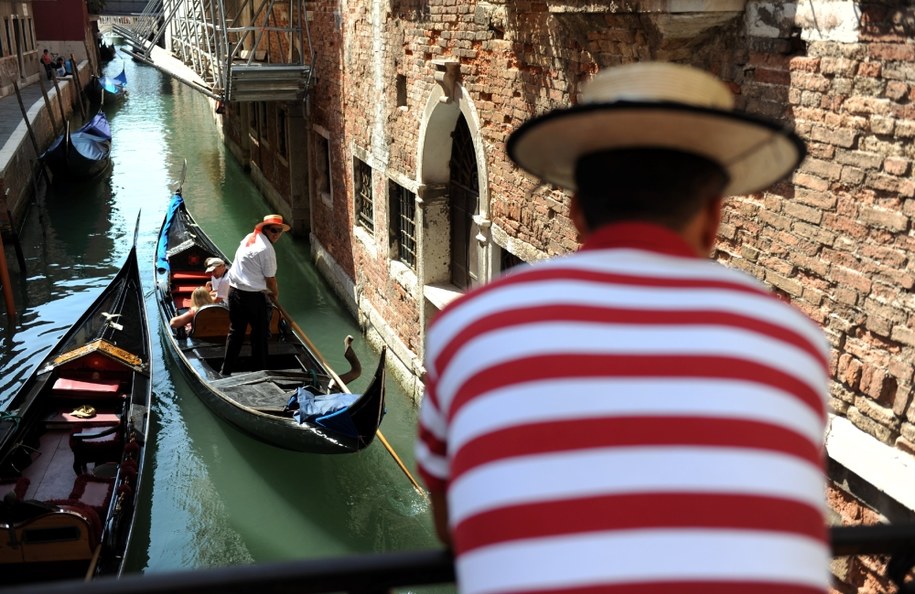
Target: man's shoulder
x: 661, y: 278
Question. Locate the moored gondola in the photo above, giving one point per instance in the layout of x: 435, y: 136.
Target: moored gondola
x: 73, y: 441
x: 298, y: 402
x: 108, y: 90
x: 81, y: 154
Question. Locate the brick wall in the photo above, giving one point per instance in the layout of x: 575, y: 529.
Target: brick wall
x: 835, y: 240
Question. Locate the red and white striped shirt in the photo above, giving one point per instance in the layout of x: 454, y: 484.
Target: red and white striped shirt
x: 628, y: 418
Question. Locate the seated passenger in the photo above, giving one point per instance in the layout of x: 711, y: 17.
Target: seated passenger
x: 218, y: 285
x: 199, y: 298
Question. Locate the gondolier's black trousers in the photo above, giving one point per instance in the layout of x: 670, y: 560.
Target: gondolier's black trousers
x: 246, y: 307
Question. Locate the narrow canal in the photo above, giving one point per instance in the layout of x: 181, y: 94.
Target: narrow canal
x: 214, y: 497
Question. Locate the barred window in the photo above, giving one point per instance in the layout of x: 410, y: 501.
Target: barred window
x: 252, y: 118
x: 365, y: 205
x: 262, y: 121
x: 281, y: 132
x: 402, y: 224
x: 9, y: 36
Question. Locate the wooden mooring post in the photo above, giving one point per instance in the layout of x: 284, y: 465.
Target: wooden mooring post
x: 79, y: 86
x: 60, y: 100
x: 4, y: 269
x: 47, y: 105
x: 28, y: 126
x: 5, y: 281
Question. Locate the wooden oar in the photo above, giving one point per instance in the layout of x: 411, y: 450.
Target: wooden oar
x: 380, y: 435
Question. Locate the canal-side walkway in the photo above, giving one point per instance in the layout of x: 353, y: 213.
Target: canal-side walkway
x: 18, y: 152
x: 11, y: 114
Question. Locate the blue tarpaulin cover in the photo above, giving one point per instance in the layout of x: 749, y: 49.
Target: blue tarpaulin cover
x: 98, y: 126
x: 112, y: 85
x: 308, y: 406
x: 162, y: 248
x: 91, y: 147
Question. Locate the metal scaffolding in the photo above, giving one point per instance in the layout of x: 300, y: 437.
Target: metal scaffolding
x: 237, y: 50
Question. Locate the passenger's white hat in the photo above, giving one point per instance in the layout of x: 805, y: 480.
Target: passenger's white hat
x: 213, y: 263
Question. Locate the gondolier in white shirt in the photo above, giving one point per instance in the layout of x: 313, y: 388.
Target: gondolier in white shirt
x: 252, y: 280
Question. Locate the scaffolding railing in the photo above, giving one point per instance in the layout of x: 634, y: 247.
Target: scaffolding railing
x: 238, y: 50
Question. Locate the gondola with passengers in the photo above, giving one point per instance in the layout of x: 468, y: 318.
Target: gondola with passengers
x: 298, y: 402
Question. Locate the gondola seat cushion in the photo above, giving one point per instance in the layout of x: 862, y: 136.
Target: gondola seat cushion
x: 82, y: 389
x: 185, y: 275
x: 185, y: 289
x: 64, y: 418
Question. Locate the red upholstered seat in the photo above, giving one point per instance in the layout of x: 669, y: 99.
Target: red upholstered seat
x: 181, y: 289
x: 190, y: 275
x: 85, y: 389
x: 64, y: 418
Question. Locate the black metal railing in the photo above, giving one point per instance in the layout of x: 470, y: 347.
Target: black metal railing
x: 381, y: 572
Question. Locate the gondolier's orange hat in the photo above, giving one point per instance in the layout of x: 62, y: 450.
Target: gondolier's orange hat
x: 657, y: 105
x: 273, y: 220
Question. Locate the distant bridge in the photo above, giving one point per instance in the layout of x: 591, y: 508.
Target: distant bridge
x: 108, y: 22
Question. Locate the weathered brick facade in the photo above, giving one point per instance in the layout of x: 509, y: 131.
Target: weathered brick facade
x: 394, y: 76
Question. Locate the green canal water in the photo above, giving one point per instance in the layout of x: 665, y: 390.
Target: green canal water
x: 213, y: 496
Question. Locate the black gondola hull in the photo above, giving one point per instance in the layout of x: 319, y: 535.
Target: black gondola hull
x: 73, y: 444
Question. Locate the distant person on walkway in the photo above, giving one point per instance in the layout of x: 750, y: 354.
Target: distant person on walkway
x: 633, y: 417
x: 252, y: 279
x: 48, y: 64
x: 61, y: 69
x: 199, y: 298
x: 218, y: 285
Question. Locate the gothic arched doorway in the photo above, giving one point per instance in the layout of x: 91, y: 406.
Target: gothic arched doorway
x: 464, y: 194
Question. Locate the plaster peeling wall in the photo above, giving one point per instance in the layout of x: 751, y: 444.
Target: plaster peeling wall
x: 818, y: 20
x: 828, y: 20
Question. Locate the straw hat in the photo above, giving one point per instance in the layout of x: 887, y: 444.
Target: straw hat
x: 658, y: 105
x: 273, y: 220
